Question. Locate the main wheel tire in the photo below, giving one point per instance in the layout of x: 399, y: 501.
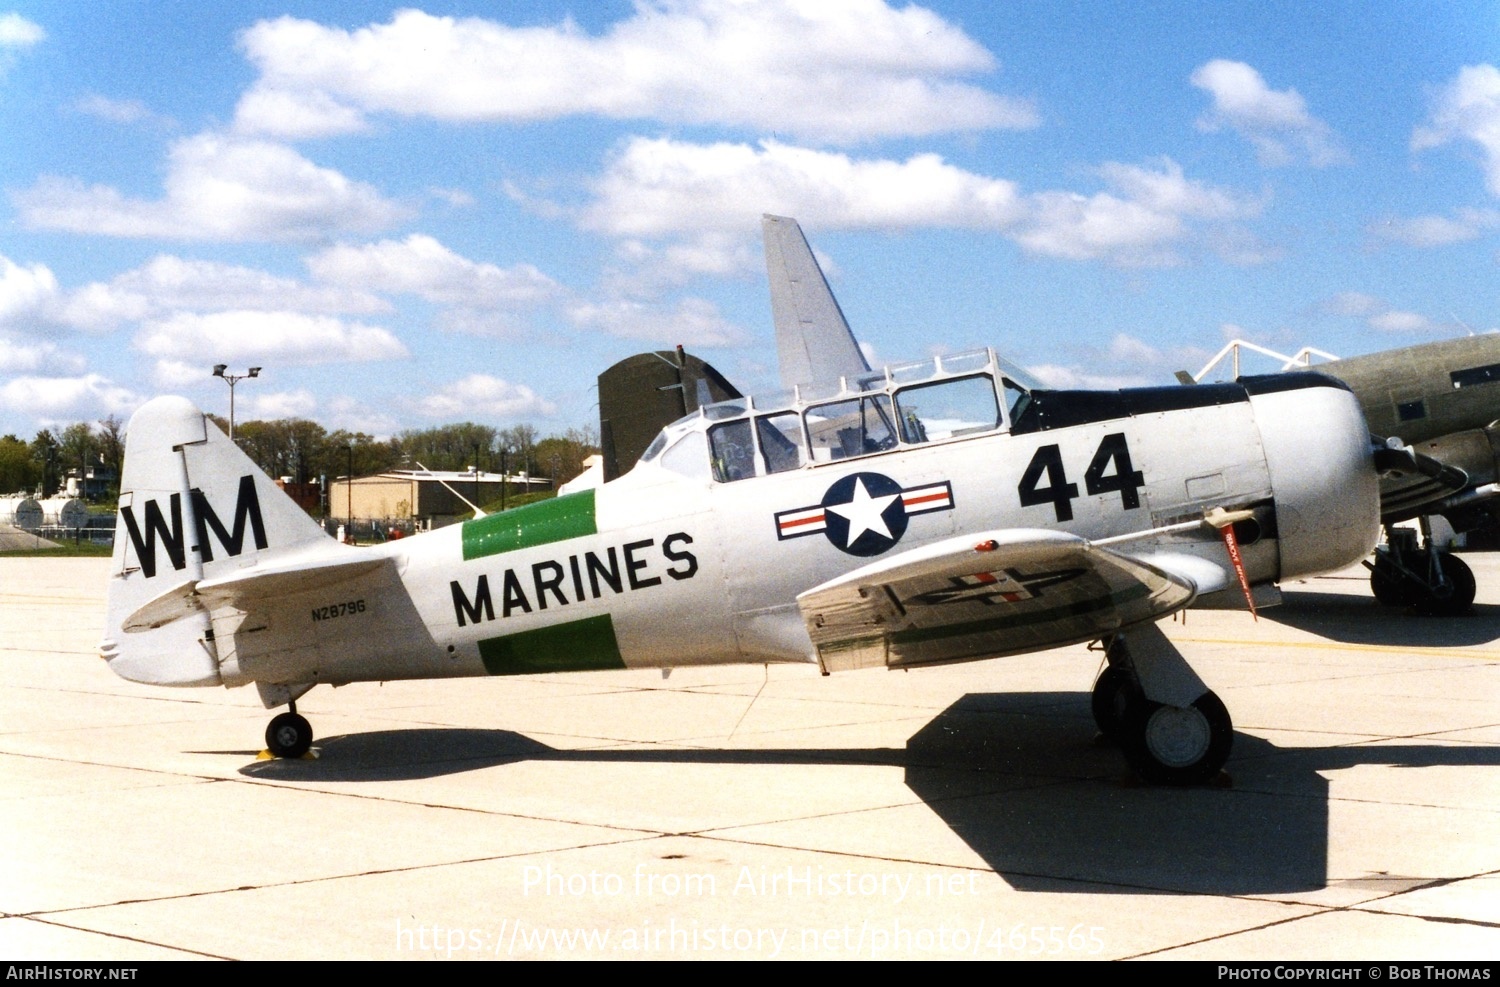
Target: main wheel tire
x: 1460, y: 594
x: 289, y: 735
x: 1391, y: 588
x: 1114, y: 691
x: 1177, y: 745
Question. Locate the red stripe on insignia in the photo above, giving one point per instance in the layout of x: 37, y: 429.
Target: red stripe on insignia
x: 815, y: 519
x: 926, y: 498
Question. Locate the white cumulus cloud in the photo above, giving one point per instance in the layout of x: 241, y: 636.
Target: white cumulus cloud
x: 26, y: 357
x: 1379, y: 315
x: 483, y: 396
x: 16, y: 35
x: 707, y: 198
x: 1058, y: 375
x: 690, y: 322
x: 1276, y: 122
x: 168, y: 284
x: 18, y: 32
x: 843, y: 71
x: 1438, y: 231
x: 281, y: 404
x: 28, y: 295
x: 657, y: 186
x: 260, y: 337
x: 217, y: 188
x: 123, y: 111
x: 1353, y: 303
x: 422, y: 266
x: 1398, y: 321
x: 1468, y: 108
x: 85, y: 397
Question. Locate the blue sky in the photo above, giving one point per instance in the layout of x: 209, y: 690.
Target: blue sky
x: 465, y: 211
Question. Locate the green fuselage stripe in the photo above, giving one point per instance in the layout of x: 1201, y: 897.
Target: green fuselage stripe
x: 542, y: 523
x: 586, y: 645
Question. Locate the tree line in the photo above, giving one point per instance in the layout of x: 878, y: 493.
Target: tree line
x: 307, y: 452
x: 38, y: 466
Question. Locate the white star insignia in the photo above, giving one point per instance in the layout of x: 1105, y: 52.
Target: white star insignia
x: 864, y: 513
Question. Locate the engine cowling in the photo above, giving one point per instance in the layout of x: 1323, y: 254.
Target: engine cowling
x: 1323, y: 479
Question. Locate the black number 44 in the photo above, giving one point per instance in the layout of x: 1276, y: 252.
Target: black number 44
x: 1113, y: 456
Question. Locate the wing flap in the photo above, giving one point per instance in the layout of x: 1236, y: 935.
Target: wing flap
x: 997, y: 593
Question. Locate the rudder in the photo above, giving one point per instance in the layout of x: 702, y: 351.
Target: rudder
x: 192, y: 507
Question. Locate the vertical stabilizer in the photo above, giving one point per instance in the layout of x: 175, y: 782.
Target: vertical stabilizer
x: 641, y: 393
x: 813, y: 340
x: 192, y: 507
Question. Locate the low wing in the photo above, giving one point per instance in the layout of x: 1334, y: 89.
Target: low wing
x: 997, y: 593
x: 242, y: 590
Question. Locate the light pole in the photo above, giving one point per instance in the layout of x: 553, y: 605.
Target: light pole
x: 231, y: 380
x: 349, y: 498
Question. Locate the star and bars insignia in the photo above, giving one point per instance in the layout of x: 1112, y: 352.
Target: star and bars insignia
x: 864, y: 513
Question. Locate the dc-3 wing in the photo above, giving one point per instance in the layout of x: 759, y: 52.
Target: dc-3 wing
x: 993, y: 594
x: 244, y: 589
x: 1411, y: 484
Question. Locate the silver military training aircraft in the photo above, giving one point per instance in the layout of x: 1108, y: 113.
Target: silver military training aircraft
x: 926, y: 513
x: 1435, y: 406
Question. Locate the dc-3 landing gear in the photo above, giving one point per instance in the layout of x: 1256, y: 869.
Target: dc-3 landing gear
x: 1407, y: 572
x: 289, y: 735
x: 1172, y: 729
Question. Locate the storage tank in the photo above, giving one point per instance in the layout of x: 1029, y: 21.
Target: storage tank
x: 65, y: 512
x: 23, y: 512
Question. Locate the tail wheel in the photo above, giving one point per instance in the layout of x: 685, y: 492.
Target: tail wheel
x: 289, y: 735
x: 1457, y: 596
x: 1177, y: 745
x: 1115, y: 690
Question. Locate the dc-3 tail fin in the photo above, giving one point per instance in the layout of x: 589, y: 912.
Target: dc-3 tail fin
x: 813, y: 341
x: 193, y: 507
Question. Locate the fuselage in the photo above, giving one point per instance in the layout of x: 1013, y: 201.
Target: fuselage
x: 697, y: 555
x: 1422, y: 392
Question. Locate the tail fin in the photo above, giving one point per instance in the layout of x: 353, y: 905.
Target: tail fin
x: 813, y: 339
x: 192, y: 507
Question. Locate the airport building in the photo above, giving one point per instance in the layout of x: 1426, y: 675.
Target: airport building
x: 430, y: 499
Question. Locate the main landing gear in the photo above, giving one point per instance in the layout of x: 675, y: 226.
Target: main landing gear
x: 289, y: 735
x: 1180, y: 737
x: 1412, y: 573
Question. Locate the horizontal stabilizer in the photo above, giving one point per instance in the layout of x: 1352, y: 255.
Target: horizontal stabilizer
x: 176, y: 603
x: 246, y: 587
x: 997, y: 593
